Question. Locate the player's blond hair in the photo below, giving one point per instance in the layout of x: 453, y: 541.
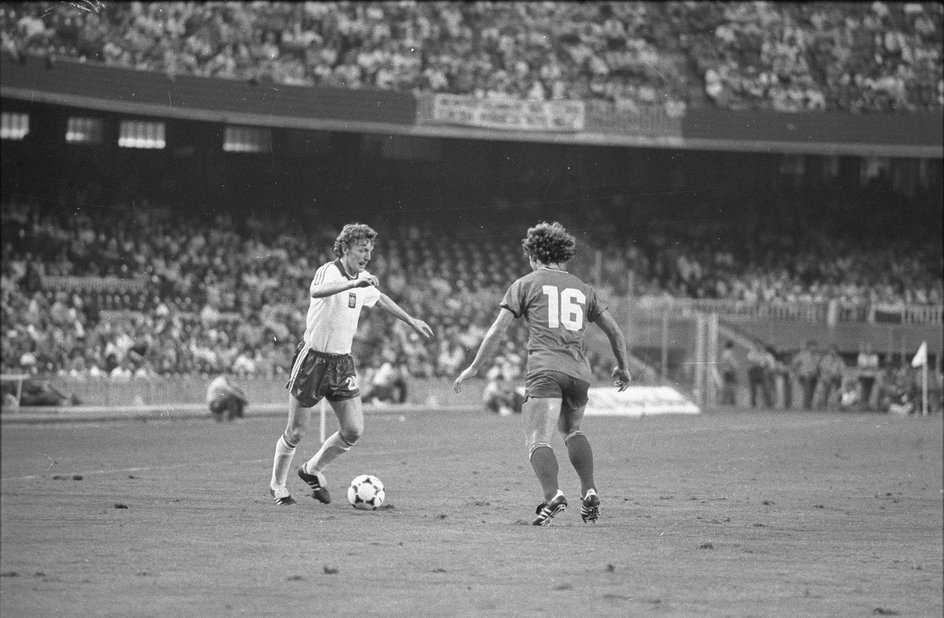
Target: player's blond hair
x: 350, y: 234
x: 549, y: 243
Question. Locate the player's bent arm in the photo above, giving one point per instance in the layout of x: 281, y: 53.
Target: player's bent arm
x: 330, y: 288
x: 492, y: 339
x: 617, y: 340
x: 390, y: 306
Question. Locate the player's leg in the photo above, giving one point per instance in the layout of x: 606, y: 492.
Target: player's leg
x: 573, y: 406
x: 345, y: 398
x: 578, y: 447
x: 581, y: 458
x: 574, y: 400
x: 350, y: 415
x: 540, y: 417
x: 298, y: 417
x: 304, y: 386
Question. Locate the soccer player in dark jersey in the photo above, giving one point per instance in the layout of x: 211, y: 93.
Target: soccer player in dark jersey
x: 323, y: 367
x: 558, y: 307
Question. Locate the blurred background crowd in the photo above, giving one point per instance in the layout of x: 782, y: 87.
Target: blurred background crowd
x: 181, y: 293
x: 855, y: 56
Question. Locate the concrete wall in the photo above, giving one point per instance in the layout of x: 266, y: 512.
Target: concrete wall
x: 261, y: 391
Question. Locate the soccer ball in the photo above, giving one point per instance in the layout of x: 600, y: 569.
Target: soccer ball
x: 366, y: 492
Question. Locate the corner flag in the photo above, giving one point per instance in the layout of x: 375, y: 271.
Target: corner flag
x: 921, y: 360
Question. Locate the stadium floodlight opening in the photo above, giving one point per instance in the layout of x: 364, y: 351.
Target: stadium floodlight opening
x: 247, y: 139
x: 81, y: 130
x: 142, y: 134
x: 14, y: 126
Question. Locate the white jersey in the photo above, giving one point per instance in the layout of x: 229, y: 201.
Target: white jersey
x: 217, y: 389
x: 332, y: 320
x: 220, y: 388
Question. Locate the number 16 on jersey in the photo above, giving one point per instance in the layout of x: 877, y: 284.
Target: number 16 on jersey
x: 564, y: 307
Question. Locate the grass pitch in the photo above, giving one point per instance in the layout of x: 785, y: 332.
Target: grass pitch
x: 735, y: 513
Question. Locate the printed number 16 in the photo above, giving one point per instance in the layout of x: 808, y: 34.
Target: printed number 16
x: 564, y: 307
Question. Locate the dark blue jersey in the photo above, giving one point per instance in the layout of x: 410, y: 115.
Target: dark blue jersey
x: 558, y: 307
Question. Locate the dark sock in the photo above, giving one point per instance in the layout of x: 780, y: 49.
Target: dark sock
x: 581, y: 457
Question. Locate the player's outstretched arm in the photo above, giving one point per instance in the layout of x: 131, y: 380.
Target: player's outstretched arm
x: 618, y: 342
x: 487, y: 348
x: 387, y: 304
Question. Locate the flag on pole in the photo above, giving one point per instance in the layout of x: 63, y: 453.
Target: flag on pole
x: 921, y: 356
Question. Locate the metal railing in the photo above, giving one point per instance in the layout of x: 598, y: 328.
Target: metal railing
x: 97, y: 284
x: 827, y: 312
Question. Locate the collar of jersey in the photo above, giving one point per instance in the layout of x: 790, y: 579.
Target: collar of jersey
x: 557, y: 270
x: 340, y: 266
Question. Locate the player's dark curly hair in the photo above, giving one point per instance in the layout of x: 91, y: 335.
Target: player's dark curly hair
x: 549, y: 243
x: 350, y: 234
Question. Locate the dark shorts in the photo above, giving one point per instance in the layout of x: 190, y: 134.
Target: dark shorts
x: 320, y: 375
x: 554, y: 384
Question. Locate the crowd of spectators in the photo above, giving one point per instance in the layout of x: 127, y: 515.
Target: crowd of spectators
x: 818, y: 377
x: 166, y: 292
x: 754, y: 266
x: 869, y: 56
x: 176, y: 296
x: 851, y: 56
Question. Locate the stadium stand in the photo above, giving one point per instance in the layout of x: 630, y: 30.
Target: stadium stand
x: 96, y: 289
x: 862, y: 57
x: 152, y: 281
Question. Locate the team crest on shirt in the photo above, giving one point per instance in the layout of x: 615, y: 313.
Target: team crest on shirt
x: 352, y: 300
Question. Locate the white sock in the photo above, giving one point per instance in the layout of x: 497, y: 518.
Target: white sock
x: 284, y: 453
x: 331, y: 449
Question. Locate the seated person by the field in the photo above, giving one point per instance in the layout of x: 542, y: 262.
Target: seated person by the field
x: 38, y: 392
x: 500, y: 395
x: 849, y: 397
x: 386, y: 384
x: 225, y: 399
x: 900, y: 403
x: 11, y: 400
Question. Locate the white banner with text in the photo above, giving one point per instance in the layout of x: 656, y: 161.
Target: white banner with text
x: 509, y: 114
x: 639, y: 401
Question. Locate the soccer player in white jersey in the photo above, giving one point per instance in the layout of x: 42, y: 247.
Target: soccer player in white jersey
x: 322, y: 366
x: 558, y: 306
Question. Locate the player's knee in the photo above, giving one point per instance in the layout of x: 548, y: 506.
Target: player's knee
x: 568, y: 427
x: 568, y: 423
x: 352, y: 434
x: 294, y: 435
x: 568, y: 438
x: 535, y: 446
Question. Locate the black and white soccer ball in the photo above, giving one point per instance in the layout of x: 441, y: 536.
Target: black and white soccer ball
x: 366, y: 492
